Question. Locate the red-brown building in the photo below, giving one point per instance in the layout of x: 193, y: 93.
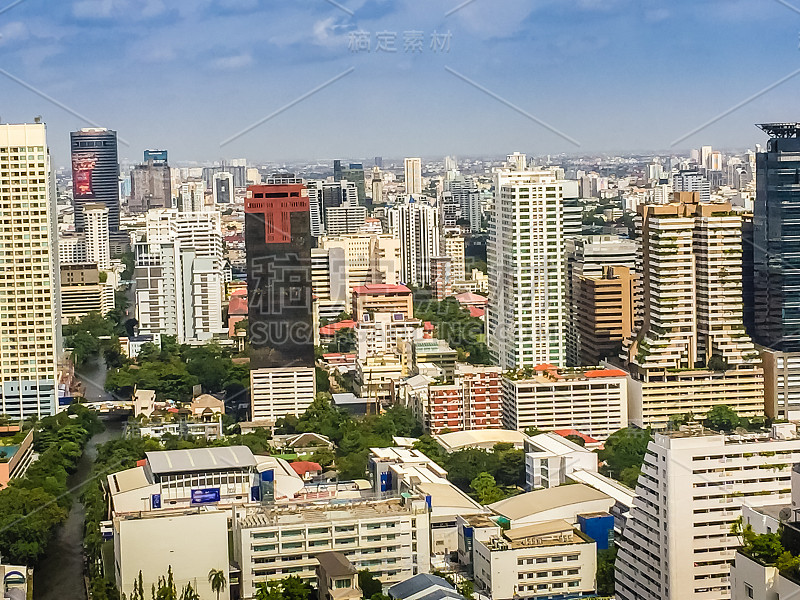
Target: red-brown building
x: 472, y: 401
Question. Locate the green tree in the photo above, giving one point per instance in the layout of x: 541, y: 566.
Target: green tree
x: 218, y: 581
x: 288, y: 588
x: 722, y: 418
x: 576, y: 439
x: 466, y: 589
x: 369, y: 584
x: 624, y: 449
x: 485, y: 488
x: 605, y: 571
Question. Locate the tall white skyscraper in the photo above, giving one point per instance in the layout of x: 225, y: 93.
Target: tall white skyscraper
x: 413, y: 174
x: 526, y: 268
x: 98, y: 249
x: 179, y: 275
x: 28, y: 285
x: 416, y: 225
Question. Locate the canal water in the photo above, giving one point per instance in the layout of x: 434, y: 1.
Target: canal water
x: 59, y: 574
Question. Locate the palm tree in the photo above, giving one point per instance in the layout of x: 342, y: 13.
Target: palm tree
x: 217, y: 580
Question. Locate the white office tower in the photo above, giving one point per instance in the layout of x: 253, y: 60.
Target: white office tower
x: 465, y: 192
x: 526, y: 269
x: 98, y: 250
x: 705, y: 156
x: 692, y: 181
x: 179, y: 275
x: 377, y: 186
x: 28, y: 297
x: 677, y: 542
x: 413, y: 175
x: 192, y: 196
x: 416, y: 225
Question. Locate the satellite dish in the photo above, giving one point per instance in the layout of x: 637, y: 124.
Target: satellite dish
x: 785, y: 514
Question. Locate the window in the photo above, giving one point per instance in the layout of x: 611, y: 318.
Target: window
x: 572, y: 557
x: 342, y: 584
x: 748, y: 590
x: 573, y: 583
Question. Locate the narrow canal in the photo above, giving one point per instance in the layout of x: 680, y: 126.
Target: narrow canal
x: 59, y: 573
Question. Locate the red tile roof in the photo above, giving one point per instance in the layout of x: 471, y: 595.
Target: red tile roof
x: 332, y: 328
x: 565, y: 432
x: 301, y: 467
x: 476, y: 312
x: 606, y: 373
x: 238, y: 303
x: 381, y: 288
x: 471, y: 298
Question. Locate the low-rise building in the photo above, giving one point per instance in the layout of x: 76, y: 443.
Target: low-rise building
x: 593, y: 401
x: 485, y: 439
x: 190, y: 543
x: 280, y: 392
x: 337, y: 578
x: 382, y: 298
x: 550, y: 459
x: 470, y: 402
x: 424, y: 585
x: 390, y: 538
x: 563, y: 502
x: 547, y: 559
x: 386, y: 332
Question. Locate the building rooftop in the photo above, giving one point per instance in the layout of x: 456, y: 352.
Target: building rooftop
x: 621, y: 494
x: 301, y: 467
x: 417, y: 584
x: 381, y: 288
x: 335, y: 564
x: 298, y: 515
x: 457, y: 440
x: 201, y: 459
x: 537, y: 501
x: 448, y: 499
x: 548, y: 533
x: 127, y: 480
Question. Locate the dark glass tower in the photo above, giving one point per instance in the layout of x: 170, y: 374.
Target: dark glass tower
x: 278, y: 244
x: 95, y: 173
x: 776, y: 240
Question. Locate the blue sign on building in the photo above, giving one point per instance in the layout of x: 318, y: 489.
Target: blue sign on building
x: 205, y: 496
x: 155, y: 501
x: 65, y: 400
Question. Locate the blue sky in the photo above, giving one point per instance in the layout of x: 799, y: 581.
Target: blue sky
x: 186, y: 75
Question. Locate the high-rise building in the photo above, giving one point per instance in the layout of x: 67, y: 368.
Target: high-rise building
x: 526, y: 269
x: 413, y: 176
x: 95, y: 172
x: 776, y: 247
x: 449, y: 213
x: 692, y: 335
x: 98, y: 249
x: 354, y: 173
x: 192, y: 196
x: 605, y: 309
x: 151, y: 183
x: 678, y: 543
x: 416, y: 225
x: 692, y: 181
x: 465, y: 191
x: 377, y: 186
x: 278, y: 241
x: 29, y: 284
x: 179, y: 275
x: 323, y: 195
x: 223, y: 188
x: 588, y: 257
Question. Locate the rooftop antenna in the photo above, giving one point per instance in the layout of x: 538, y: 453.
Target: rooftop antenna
x: 37, y: 119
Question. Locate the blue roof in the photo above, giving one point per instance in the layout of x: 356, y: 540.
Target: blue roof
x: 416, y: 584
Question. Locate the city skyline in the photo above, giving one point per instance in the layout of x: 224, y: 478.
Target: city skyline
x: 639, y: 75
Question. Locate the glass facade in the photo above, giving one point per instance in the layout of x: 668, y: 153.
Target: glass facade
x: 776, y: 241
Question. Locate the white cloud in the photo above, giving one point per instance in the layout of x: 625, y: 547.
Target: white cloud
x: 238, y: 61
